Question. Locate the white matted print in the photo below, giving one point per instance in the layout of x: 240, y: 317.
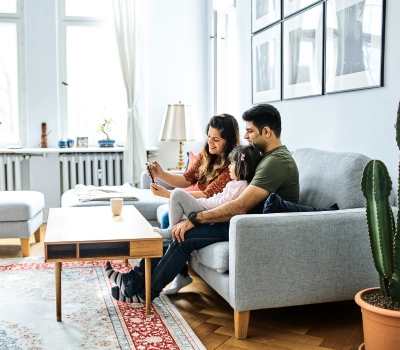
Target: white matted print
x: 266, y: 65
x: 292, y: 6
x: 303, y: 53
x: 354, y: 33
x: 264, y: 13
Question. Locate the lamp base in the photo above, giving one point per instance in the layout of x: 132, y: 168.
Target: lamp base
x: 181, y: 165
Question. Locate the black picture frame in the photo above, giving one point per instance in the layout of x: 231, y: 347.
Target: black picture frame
x: 266, y: 65
x: 290, y: 7
x: 264, y: 13
x: 303, y: 40
x: 354, y: 45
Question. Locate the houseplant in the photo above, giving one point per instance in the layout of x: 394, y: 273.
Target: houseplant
x: 105, y: 127
x: 382, y: 326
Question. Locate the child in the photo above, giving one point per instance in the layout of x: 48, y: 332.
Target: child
x: 244, y: 160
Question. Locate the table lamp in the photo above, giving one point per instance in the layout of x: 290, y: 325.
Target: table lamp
x: 180, y: 124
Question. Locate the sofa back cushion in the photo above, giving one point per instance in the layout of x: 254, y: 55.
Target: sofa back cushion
x: 330, y: 177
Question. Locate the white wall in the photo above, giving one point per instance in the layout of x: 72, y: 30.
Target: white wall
x: 42, y: 95
x: 177, y: 69
x: 178, y: 44
x: 358, y: 121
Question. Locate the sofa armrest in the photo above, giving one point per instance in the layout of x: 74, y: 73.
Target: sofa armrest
x: 145, y: 182
x: 288, y: 259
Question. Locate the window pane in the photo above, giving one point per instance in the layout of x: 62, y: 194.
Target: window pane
x: 87, y: 8
x: 94, y: 83
x: 8, y: 6
x: 9, y: 129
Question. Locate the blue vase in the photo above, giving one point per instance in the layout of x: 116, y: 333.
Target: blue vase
x: 106, y: 143
x: 70, y: 143
x: 62, y: 143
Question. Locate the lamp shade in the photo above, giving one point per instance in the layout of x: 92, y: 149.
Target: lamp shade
x: 180, y: 124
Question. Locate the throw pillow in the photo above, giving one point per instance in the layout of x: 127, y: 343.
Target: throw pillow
x: 275, y: 204
x: 191, y: 158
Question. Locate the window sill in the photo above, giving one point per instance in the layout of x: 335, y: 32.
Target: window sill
x: 151, y: 150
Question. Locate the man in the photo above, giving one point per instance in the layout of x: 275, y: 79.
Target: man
x: 276, y: 173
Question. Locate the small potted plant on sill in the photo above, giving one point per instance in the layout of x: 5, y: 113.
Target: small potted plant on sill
x: 105, y: 128
x: 381, y: 306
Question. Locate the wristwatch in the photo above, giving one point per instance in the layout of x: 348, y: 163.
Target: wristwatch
x: 192, y: 218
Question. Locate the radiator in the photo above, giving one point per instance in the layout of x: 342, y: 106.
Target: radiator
x: 10, y: 172
x: 96, y: 169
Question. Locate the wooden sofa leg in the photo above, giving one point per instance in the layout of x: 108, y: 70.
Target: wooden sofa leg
x: 241, y: 320
x: 37, y: 235
x: 25, y: 246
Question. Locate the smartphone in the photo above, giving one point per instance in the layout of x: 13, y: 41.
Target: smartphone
x: 151, y: 174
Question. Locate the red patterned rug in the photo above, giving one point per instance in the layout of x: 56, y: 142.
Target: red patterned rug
x: 92, y: 319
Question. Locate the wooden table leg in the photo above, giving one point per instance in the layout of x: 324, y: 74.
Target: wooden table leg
x: 147, y: 276
x: 57, y: 270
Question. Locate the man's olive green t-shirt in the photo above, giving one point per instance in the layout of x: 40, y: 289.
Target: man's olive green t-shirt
x: 277, y: 173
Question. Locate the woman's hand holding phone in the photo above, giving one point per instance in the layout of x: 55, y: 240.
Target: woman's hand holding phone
x: 159, y: 190
x: 150, y: 173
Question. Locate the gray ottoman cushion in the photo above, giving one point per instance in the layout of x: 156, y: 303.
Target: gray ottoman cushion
x: 20, y: 205
x: 21, y: 229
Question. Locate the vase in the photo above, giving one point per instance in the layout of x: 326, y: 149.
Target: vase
x: 381, y: 326
x: 106, y: 143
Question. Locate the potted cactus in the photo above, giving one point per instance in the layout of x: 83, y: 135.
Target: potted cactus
x: 381, y: 323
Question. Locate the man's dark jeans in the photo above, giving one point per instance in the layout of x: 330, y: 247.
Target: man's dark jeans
x: 165, y: 269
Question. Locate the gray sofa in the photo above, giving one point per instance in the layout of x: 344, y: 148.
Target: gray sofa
x: 287, y: 259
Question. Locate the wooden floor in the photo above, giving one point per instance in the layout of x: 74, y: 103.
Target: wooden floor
x: 311, y: 327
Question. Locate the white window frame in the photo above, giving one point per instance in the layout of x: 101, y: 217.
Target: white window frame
x: 219, y: 80
x: 64, y: 21
x: 19, y: 19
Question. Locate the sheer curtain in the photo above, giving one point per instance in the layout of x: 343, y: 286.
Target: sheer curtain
x: 129, y: 26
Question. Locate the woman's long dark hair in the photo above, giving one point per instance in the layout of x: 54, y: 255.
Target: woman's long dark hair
x: 213, y: 164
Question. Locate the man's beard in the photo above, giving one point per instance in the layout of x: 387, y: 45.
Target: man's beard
x: 257, y: 148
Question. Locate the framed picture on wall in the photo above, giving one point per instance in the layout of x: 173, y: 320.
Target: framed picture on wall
x: 264, y: 13
x: 354, y: 44
x: 266, y: 65
x: 293, y: 6
x: 303, y: 54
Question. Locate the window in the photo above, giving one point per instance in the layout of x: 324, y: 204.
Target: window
x: 91, y: 83
x: 12, y: 74
x: 224, y: 52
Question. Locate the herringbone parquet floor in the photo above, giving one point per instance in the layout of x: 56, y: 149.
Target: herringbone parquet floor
x: 310, y: 327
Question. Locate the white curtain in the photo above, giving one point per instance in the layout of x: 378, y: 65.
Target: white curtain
x: 129, y: 16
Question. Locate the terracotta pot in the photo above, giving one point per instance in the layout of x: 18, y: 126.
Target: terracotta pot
x: 381, y: 327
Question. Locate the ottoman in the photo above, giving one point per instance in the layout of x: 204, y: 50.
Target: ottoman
x: 21, y: 216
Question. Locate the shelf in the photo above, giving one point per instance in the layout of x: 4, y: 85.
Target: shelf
x: 149, y: 149
x: 87, y: 250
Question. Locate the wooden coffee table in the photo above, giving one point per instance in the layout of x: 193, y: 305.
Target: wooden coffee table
x: 93, y: 233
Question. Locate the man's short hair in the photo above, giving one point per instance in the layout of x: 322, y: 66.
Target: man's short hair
x: 264, y: 115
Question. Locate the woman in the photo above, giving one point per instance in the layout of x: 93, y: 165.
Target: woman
x: 209, y: 171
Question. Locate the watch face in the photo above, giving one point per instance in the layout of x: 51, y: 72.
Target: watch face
x: 192, y: 218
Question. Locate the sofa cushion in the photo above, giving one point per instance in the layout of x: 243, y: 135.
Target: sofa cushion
x: 20, y: 205
x: 275, y: 204
x: 214, y: 256
x: 330, y: 177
